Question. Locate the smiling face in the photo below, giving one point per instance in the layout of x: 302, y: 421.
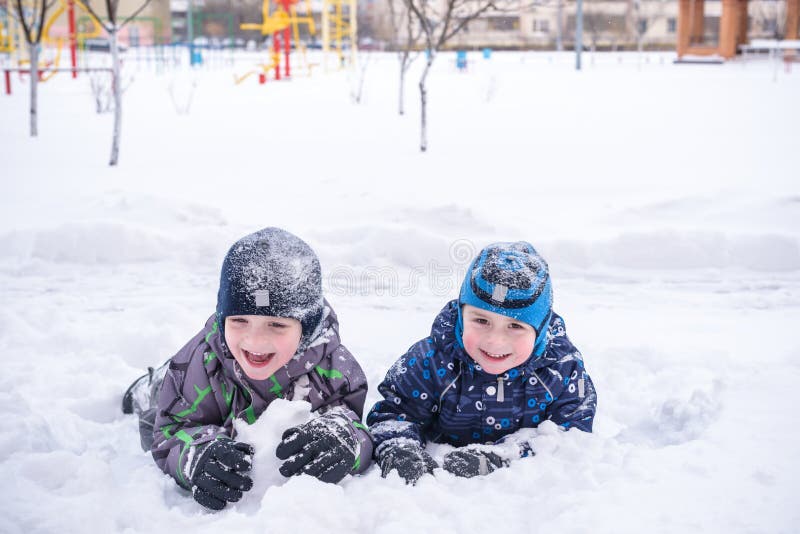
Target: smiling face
x: 262, y: 344
x: 495, y: 342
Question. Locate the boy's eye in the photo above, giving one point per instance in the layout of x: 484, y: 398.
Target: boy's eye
x: 240, y: 320
x: 278, y: 325
x: 515, y: 326
x: 480, y: 320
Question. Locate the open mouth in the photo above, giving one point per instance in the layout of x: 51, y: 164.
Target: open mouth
x: 258, y: 359
x: 495, y: 356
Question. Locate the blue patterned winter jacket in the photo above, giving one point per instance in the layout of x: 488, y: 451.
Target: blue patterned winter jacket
x: 435, y: 392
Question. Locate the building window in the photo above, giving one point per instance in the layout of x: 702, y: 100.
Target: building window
x: 541, y: 25
x: 504, y: 24
x: 672, y: 25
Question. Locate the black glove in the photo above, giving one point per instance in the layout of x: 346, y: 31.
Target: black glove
x: 217, y: 473
x: 409, y: 459
x: 472, y: 462
x: 323, y: 448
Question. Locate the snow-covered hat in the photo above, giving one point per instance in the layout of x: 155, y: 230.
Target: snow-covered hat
x: 511, y: 279
x: 272, y: 272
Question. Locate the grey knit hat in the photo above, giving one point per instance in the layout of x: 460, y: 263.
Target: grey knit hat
x: 275, y: 273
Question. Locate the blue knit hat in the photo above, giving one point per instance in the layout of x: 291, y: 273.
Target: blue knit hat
x: 511, y: 279
x: 272, y: 272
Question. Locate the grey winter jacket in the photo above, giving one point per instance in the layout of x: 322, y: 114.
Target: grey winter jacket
x: 205, y: 389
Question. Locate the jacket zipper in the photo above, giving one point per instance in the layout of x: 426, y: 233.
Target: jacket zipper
x: 451, y: 384
x: 543, y: 384
x: 249, y: 411
x: 501, y: 394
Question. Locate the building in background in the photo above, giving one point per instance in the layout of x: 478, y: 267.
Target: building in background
x: 608, y: 24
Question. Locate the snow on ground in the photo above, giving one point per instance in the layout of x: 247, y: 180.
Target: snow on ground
x: 665, y: 198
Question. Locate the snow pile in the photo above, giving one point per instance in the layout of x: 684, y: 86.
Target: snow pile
x: 673, y: 249
x: 264, y: 435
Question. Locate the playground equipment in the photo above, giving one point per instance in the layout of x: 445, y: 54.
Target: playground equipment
x: 275, y: 61
x: 47, y: 68
x: 6, y: 37
x: 52, y: 70
x: 276, y: 24
x: 340, y: 30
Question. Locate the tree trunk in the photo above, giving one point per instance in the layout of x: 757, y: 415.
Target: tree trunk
x: 559, y: 37
x: 117, y: 88
x: 640, y: 48
x: 362, y: 70
x: 403, y: 68
x: 34, y: 54
x: 423, y: 95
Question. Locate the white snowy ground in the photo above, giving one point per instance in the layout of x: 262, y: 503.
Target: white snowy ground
x: 665, y: 198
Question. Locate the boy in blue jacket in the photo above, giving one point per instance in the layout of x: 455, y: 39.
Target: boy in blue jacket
x: 497, y: 360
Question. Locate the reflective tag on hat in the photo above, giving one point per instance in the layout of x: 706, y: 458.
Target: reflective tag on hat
x: 261, y: 297
x: 499, y: 293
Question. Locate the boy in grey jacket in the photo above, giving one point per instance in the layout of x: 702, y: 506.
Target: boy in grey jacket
x: 273, y: 336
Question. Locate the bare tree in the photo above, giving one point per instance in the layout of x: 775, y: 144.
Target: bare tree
x: 360, y: 74
x: 440, y: 21
x: 593, y: 23
x: 638, y: 24
x: 112, y: 27
x: 769, y: 18
x: 33, y: 29
x: 407, y: 38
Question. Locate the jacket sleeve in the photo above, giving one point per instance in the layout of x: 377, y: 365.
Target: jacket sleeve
x: 576, y: 403
x: 409, y: 404
x: 188, y: 414
x: 343, y: 386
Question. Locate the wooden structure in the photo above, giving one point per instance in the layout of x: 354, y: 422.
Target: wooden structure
x: 732, y: 27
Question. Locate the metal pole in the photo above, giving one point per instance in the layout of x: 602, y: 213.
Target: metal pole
x: 287, y: 48
x: 73, y: 54
x: 190, y: 30
x: 578, y: 34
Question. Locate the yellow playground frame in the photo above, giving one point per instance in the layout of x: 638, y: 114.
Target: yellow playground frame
x: 339, y: 33
x: 274, y: 21
x: 7, y: 38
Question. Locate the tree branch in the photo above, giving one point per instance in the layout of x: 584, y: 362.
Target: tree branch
x: 423, y: 21
x: 136, y: 14
x: 26, y: 28
x: 111, y: 11
x: 465, y: 20
x: 96, y: 17
x: 40, y: 29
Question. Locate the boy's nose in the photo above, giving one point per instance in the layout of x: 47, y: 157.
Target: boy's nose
x: 260, y: 342
x: 494, y: 338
